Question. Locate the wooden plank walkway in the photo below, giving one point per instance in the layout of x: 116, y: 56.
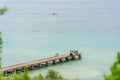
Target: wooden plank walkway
x: 38, y: 63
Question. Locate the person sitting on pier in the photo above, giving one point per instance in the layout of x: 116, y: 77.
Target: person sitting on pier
x: 56, y: 55
x: 72, y: 53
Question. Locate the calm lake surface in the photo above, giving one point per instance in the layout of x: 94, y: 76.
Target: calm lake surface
x: 30, y: 31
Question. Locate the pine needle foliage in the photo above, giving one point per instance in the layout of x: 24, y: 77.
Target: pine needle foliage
x: 115, y: 70
x: 3, y: 10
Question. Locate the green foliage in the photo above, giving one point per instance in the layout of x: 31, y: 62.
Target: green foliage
x: 118, y: 57
x: 51, y: 74
x: 3, y: 10
x: 19, y: 76
x: 1, y: 41
x: 39, y: 77
x: 115, y: 70
x: 25, y: 75
x: 0, y: 54
x: 16, y: 77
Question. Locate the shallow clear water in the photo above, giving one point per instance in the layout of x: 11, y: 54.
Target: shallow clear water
x: 31, y: 32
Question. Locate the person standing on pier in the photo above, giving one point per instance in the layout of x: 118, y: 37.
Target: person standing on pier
x: 56, y: 55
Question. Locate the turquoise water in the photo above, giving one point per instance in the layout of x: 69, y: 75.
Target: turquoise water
x: 31, y: 32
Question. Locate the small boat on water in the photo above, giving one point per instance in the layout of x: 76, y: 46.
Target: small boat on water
x: 54, y: 13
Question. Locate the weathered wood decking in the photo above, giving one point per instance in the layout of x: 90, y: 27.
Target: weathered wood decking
x: 38, y: 63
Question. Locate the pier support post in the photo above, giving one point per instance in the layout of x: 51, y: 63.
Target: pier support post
x: 61, y: 60
x: 66, y: 58
x: 79, y: 55
x: 32, y: 67
x: 5, y: 73
x: 29, y: 68
x: 23, y: 69
x: 40, y: 65
x: 46, y: 63
x: 54, y: 62
x: 73, y: 57
x: 15, y: 70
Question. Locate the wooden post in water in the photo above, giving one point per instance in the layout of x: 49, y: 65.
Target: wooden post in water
x: 23, y: 69
x: 5, y: 73
x: 54, y: 62
x: 79, y: 55
x: 66, y: 58
x: 60, y: 60
x: 73, y: 57
x: 32, y: 67
x: 29, y: 67
x: 46, y: 63
x: 40, y: 65
x: 14, y: 71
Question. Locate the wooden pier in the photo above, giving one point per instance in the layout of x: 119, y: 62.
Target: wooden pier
x: 39, y: 63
